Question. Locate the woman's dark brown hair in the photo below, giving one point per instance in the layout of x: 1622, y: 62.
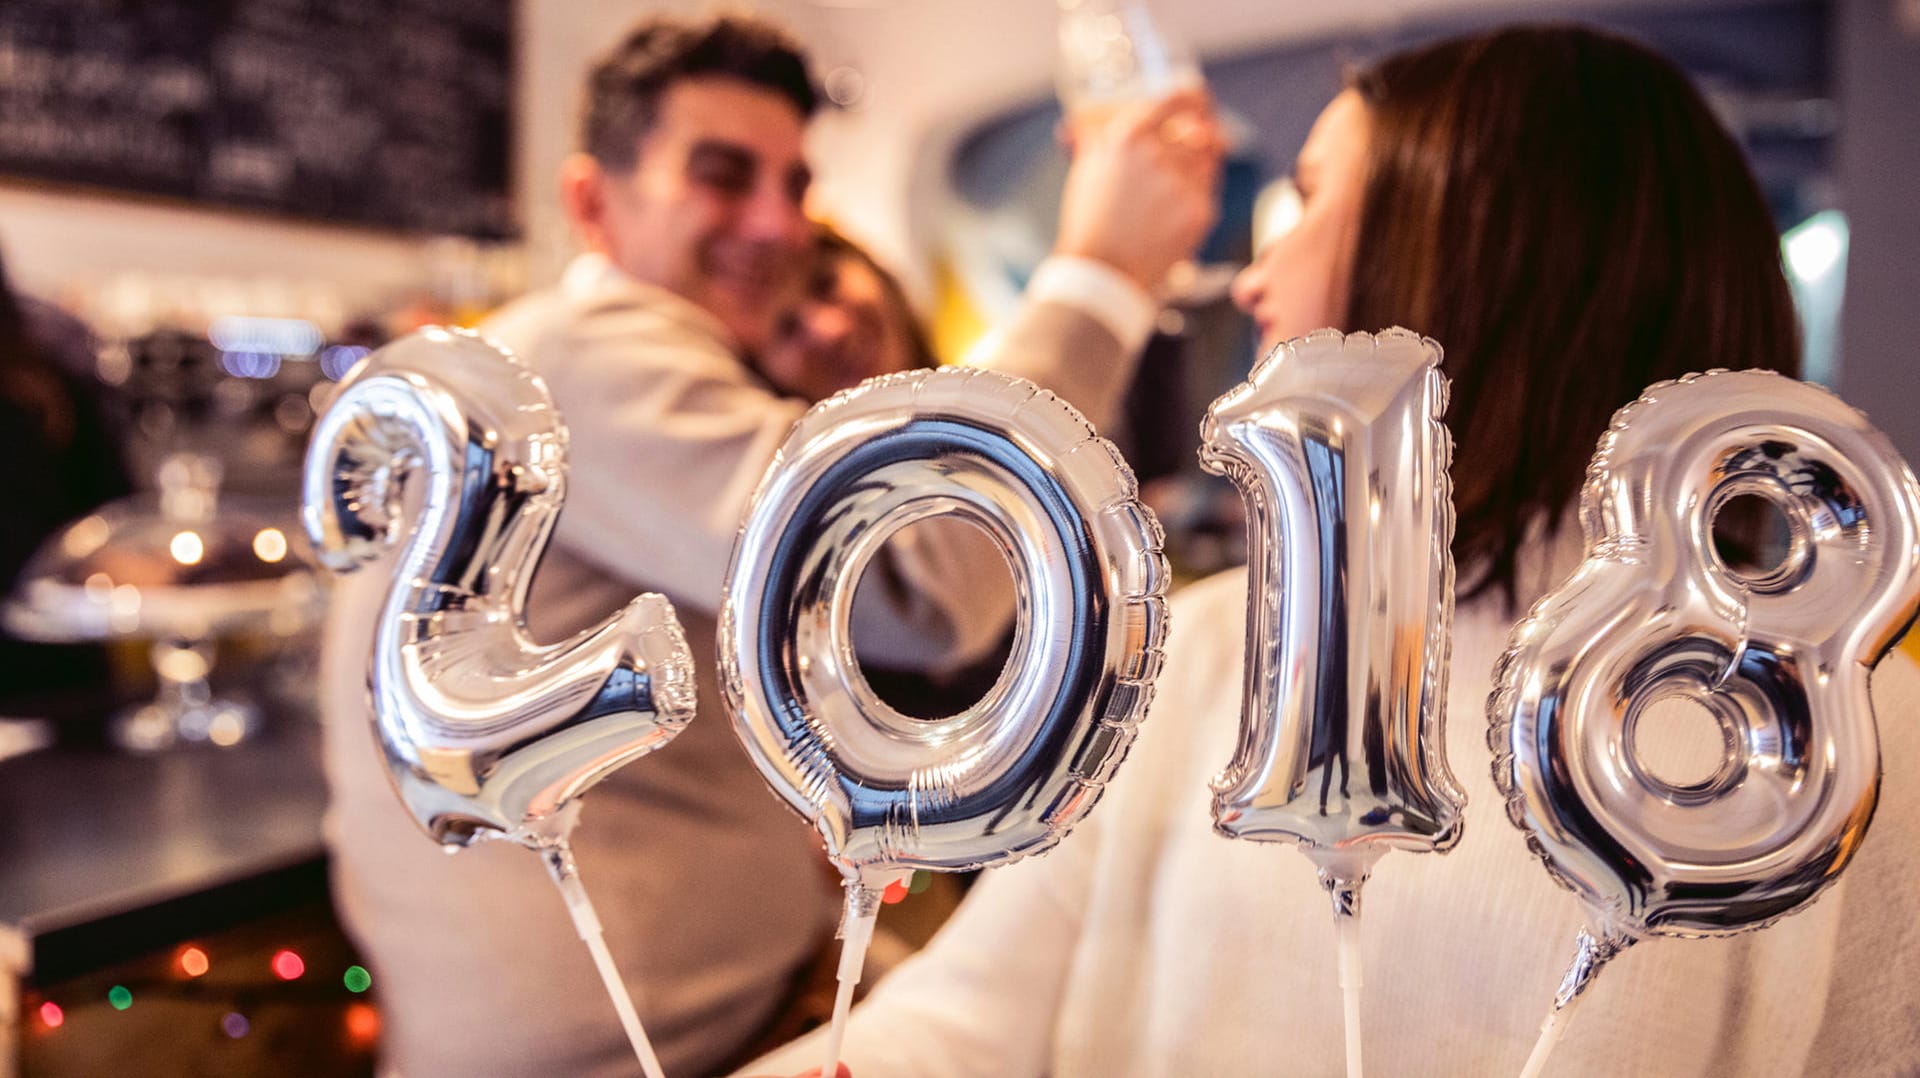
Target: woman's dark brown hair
x: 1559, y: 208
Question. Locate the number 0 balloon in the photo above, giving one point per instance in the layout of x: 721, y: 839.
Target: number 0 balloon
x: 1779, y: 658
x: 1010, y: 775
x: 1337, y: 447
x: 486, y: 734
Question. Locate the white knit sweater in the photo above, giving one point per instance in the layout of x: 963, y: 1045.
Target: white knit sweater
x: 1147, y: 945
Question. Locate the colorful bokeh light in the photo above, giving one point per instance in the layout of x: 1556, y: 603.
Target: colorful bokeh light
x: 288, y: 966
x: 193, y: 961
x: 51, y: 1016
x: 363, y: 1024
x: 357, y: 979
x: 120, y: 997
x: 235, y: 1025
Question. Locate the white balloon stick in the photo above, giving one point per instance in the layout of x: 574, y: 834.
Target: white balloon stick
x: 566, y: 877
x: 856, y: 932
x: 1347, y: 932
x: 1550, y: 1032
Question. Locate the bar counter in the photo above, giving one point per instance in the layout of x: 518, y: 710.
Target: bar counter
x: 106, y: 856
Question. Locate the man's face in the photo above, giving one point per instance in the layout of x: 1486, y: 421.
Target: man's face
x: 711, y: 209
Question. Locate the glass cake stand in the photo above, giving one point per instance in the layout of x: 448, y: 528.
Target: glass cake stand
x: 182, y: 571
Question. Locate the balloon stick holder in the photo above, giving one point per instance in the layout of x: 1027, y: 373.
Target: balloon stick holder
x: 1344, y: 889
x: 856, y: 932
x: 558, y: 857
x: 1590, y: 955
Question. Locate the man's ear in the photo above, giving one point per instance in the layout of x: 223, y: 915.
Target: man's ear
x: 583, y: 198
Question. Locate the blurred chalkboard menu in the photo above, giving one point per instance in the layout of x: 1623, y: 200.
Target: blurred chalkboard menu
x: 391, y: 113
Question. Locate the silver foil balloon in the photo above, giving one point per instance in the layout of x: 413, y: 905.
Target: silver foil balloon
x: 1012, y: 773
x: 1778, y: 656
x: 1336, y: 445
x: 486, y: 733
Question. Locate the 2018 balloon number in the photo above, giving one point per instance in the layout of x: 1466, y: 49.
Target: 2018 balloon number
x: 1337, y: 445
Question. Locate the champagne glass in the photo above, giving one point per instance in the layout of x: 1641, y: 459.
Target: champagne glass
x: 1111, y: 52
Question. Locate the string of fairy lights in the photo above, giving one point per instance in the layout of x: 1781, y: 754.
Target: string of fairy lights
x: 361, y: 1019
x: 191, y: 963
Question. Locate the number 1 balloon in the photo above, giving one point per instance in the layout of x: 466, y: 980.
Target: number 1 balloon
x: 1336, y: 445
x: 1779, y: 657
x: 485, y: 733
x: 1010, y: 775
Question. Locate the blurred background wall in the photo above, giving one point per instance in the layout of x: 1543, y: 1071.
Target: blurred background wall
x: 1877, y: 60
x: 921, y: 77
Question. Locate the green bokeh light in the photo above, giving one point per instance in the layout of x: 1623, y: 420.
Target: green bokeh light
x: 119, y: 997
x: 357, y: 979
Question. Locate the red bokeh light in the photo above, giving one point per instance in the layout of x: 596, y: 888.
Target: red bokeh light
x: 288, y: 966
x: 51, y: 1015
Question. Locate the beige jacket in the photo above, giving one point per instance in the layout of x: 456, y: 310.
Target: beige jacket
x: 712, y: 893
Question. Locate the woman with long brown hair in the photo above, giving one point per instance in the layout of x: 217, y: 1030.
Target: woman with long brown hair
x: 1560, y: 210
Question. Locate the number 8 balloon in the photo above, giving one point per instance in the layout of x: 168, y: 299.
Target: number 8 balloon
x: 1779, y: 657
x: 1009, y: 776
x: 1336, y: 444
x: 485, y: 733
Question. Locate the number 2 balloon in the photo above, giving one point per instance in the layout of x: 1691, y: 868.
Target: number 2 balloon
x: 486, y: 733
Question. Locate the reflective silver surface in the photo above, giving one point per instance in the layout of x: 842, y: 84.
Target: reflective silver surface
x: 1010, y: 775
x: 486, y: 733
x: 1336, y: 445
x: 1779, y: 658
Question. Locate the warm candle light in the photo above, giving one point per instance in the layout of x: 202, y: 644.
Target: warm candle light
x: 270, y: 544
x: 186, y: 548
